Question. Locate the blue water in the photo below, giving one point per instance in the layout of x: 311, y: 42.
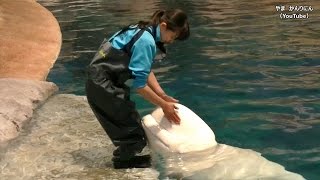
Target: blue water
x: 252, y: 76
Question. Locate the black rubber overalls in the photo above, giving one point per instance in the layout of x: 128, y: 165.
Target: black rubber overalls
x: 109, y: 97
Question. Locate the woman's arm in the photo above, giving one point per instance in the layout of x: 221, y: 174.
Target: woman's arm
x: 154, y: 85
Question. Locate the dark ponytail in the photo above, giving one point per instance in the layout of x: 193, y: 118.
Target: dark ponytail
x: 156, y: 17
x: 155, y: 20
x: 175, y: 19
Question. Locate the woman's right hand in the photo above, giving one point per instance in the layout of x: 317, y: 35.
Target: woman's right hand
x: 169, y: 110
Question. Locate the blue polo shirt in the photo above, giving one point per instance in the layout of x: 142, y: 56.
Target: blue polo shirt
x: 143, y: 53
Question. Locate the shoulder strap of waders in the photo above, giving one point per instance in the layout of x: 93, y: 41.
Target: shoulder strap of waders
x: 159, y: 45
x: 128, y: 46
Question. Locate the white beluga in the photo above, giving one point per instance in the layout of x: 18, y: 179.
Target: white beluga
x: 189, y: 150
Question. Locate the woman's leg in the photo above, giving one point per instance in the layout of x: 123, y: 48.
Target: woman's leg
x: 118, y: 116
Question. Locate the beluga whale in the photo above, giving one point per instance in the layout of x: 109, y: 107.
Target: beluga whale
x: 189, y: 150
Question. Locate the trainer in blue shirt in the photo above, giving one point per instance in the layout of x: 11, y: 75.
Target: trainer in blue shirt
x: 143, y: 52
x: 129, y: 54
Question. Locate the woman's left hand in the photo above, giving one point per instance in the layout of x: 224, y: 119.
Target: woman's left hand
x: 169, y: 98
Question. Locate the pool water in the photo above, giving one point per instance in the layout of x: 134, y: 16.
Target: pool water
x: 251, y: 75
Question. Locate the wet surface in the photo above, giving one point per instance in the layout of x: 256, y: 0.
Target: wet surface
x: 64, y: 141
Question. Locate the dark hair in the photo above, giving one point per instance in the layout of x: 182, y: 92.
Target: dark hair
x: 175, y: 19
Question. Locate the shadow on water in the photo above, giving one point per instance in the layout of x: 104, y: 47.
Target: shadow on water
x: 253, y: 76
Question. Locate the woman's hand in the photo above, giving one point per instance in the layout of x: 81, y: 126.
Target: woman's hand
x: 169, y: 110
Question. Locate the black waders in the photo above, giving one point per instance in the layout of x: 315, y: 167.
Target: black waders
x: 109, y: 99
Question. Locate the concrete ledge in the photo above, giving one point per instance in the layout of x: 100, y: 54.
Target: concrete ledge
x: 19, y: 98
x: 30, y: 39
x: 65, y: 141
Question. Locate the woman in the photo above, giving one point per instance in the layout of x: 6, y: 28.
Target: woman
x: 129, y: 54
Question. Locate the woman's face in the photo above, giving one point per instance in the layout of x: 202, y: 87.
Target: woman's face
x: 167, y: 35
